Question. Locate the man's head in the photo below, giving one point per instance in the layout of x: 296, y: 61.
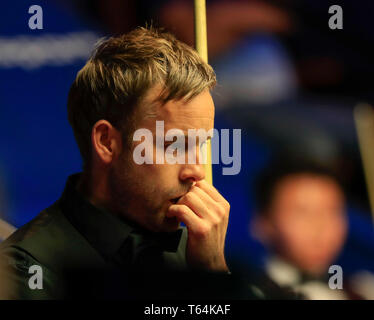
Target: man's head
x: 301, y: 214
x: 130, y: 82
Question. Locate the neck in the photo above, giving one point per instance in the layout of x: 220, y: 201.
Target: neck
x: 94, y: 187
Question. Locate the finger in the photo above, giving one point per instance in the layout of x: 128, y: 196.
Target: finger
x: 195, y: 203
x: 204, y: 197
x: 216, y: 210
x: 210, y: 190
x: 184, y: 214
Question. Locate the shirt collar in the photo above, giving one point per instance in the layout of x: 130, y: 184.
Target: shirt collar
x: 285, y: 274
x: 106, y: 232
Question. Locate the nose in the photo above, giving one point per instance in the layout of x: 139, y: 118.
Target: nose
x: 192, y: 172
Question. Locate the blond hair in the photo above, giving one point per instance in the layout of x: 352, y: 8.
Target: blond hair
x: 119, y: 73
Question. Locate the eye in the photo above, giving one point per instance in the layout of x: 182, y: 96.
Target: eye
x: 176, y: 145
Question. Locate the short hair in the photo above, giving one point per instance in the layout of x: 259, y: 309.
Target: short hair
x: 121, y: 70
x: 278, y: 170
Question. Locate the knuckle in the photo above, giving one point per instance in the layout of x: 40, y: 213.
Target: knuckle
x: 194, y: 189
x: 189, y: 197
x: 228, y: 206
x: 202, y: 231
x: 221, y: 211
x: 182, y: 209
x: 216, y: 222
x: 199, y: 183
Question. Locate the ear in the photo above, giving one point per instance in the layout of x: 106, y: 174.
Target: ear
x: 262, y: 229
x: 106, y: 141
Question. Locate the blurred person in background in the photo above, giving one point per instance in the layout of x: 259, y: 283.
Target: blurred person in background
x: 301, y: 220
x: 252, y: 65
x: 250, y: 62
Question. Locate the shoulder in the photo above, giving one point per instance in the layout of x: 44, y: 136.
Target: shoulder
x: 54, y: 246
x: 25, y: 277
x: 52, y: 240
x: 26, y: 234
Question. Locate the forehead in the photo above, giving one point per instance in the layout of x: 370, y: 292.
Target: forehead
x: 309, y: 188
x: 198, y: 113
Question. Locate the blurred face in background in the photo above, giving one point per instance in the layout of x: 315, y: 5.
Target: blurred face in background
x: 306, y: 223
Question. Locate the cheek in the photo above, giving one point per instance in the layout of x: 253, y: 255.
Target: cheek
x: 309, y: 245
x: 296, y: 240
x: 294, y: 231
x: 335, y: 234
x: 161, y: 178
x: 161, y: 172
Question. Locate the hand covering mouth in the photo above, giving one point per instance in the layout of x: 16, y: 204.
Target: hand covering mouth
x: 175, y: 200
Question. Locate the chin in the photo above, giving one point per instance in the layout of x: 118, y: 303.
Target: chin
x: 170, y: 225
